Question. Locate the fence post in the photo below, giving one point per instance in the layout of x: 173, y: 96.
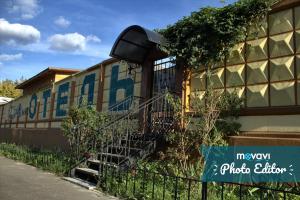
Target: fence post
x: 204, y: 191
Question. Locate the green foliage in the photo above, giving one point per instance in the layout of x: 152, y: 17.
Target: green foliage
x: 54, y: 161
x: 7, y: 88
x: 149, y: 183
x: 207, y: 36
x: 211, y: 121
x: 81, y: 128
x: 143, y: 183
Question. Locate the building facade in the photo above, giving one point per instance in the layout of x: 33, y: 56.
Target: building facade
x: 264, y: 70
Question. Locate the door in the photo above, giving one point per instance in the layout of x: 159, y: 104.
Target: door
x: 163, y: 80
x: 164, y: 75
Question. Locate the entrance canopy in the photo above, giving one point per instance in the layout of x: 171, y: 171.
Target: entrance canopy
x: 135, y: 43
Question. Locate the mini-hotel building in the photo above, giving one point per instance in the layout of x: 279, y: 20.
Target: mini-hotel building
x: 264, y: 70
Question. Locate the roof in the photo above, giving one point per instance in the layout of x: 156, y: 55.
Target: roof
x: 104, y: 62
x: 45, y: 73
x: 4, y: 100
x: 135, y: 43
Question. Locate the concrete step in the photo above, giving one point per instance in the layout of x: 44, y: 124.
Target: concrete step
x: 111, y: 157
x: 87, y: 174
x: 136, y: 143
x: 263, y: 141
x: 87, y: 171
x: 95, y: 164
x: 122, y: 150
x: 80, y: 182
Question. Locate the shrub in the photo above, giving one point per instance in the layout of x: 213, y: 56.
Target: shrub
x: 81, y: 128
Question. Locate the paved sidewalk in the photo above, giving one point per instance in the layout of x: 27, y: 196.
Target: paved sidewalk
x: 23, y: 182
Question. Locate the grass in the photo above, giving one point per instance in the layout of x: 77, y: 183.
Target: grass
x: 140, y: 184
x: 53, y: 161
x: 144, y: 184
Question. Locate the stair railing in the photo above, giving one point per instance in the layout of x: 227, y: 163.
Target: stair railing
x: 137, y: 126
x: 126, y: 104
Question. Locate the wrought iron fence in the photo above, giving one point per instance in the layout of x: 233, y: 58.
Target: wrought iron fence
x: 145, y: 184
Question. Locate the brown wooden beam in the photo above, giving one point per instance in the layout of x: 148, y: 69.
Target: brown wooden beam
x: 17, y: 122
x: 37, y: 115
x: 26, y: 118
x: 100, y: 88
x: 2, y: 110
x: 51, y: 109
x: 72, y: 95
x: 146, y: 90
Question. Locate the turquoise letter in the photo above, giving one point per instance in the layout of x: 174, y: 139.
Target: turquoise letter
x: 115, y: 85
x: 61, y: 100
x: 88, y: 80
x: 33, y: 99
x: 46, y: 95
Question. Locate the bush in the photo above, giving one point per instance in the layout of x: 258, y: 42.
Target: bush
x: 81, y: 128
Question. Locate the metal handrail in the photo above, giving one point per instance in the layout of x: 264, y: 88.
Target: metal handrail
x: 104, y: 144
x: 126, y: 100
x: 128, y: 135
x: 140, y: 107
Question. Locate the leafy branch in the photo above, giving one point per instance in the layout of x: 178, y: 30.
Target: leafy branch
x: 207, y: 36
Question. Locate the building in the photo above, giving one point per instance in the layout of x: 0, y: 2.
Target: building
x: 265, y: 71
x: 4, y: 100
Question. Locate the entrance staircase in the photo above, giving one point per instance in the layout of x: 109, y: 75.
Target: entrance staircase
x: 131, y: 135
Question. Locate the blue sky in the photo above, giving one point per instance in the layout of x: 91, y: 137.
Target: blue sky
x: 36, y: 34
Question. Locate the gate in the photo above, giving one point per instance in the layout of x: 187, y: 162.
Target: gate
x: 162, y: 115
x: 164, y: 75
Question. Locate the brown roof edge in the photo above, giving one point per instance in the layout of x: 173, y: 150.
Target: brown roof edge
x: 51, y: 70
x: 284, y: 4
x: 47, y: 71
x: 104, y: 62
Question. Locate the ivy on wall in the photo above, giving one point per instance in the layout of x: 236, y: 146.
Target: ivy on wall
x: 207, y: 36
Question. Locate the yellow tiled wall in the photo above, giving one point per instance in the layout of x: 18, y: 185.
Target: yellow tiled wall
x: 265, y: 69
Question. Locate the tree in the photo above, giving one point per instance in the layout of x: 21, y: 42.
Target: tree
x: 208, y: 35
x: 7, y: 88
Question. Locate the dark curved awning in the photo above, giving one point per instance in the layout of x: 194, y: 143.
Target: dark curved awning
x: 135, y: 43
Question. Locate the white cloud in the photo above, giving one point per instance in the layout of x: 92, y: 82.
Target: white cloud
x: 62, y: 22
x: 93, y: 38
x: 10, y: 57
x: 27, y: 9
x: 99, y: 51
x: 17, y: 33
x: 70, y: 42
